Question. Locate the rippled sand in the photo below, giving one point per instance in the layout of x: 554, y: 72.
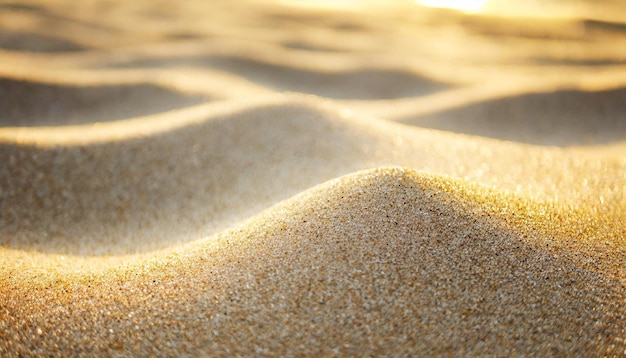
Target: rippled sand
x: 250, y: 178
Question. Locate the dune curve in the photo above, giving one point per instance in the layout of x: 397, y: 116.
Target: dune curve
x: 266, y: 178
x: 432, y: 270
x: 151, y: 190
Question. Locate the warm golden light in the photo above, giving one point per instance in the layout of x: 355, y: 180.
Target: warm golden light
x: 463, y: 5
x: 326, y: 3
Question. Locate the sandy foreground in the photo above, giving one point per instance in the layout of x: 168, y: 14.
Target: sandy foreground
x: 252, y: 178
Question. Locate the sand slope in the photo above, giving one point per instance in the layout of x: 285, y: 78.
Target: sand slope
x: 383, y: 261
x: 255, y: 178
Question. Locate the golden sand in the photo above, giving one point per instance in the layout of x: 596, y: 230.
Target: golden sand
x: 260, y: 179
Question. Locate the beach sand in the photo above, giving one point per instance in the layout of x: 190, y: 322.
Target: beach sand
x: 257, y: 178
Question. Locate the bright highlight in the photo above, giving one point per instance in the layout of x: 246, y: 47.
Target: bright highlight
x: 463, y: 5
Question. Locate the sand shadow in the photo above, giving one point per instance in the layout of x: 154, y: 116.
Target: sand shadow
x: 356, y: 84
x: 32, y: 42
x: 497, y: 28
x: 561, y: 118
x: 28, y: 103
x: 605, y: 26
x: 302, y: 45
x: 16, y: 6
x: 359, y: 84
x: 550, y: 61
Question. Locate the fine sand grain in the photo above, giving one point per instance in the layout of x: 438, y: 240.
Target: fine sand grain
x: 261, y: 179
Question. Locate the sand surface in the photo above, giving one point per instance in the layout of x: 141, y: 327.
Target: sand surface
x: 256, y: 178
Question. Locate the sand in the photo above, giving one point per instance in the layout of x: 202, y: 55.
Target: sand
x: 261, y: 179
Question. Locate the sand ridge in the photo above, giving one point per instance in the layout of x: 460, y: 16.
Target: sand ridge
x: 103, y: 192
x: 254, y: 178
x: 391, y: 249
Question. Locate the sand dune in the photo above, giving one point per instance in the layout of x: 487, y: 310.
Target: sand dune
x: 558, y: 118
x: 387, y: 261
x: 258, y: 178
x: 110, y: 190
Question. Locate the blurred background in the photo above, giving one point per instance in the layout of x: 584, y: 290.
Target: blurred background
x: 66, y: 62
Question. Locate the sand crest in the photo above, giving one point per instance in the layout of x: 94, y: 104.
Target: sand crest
x: 267, y: 179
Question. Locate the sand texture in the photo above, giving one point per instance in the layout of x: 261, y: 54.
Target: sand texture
x: 250, y: 178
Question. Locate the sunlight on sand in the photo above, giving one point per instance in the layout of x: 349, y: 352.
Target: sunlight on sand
x: 312, y: 178
x: 326, y: 3
x: 470, y: 6
x: 462, y: 5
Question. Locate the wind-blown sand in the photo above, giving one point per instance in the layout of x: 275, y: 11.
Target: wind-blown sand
x: 248, y: 178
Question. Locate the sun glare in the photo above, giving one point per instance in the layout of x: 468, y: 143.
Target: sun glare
x: 462, y: 5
